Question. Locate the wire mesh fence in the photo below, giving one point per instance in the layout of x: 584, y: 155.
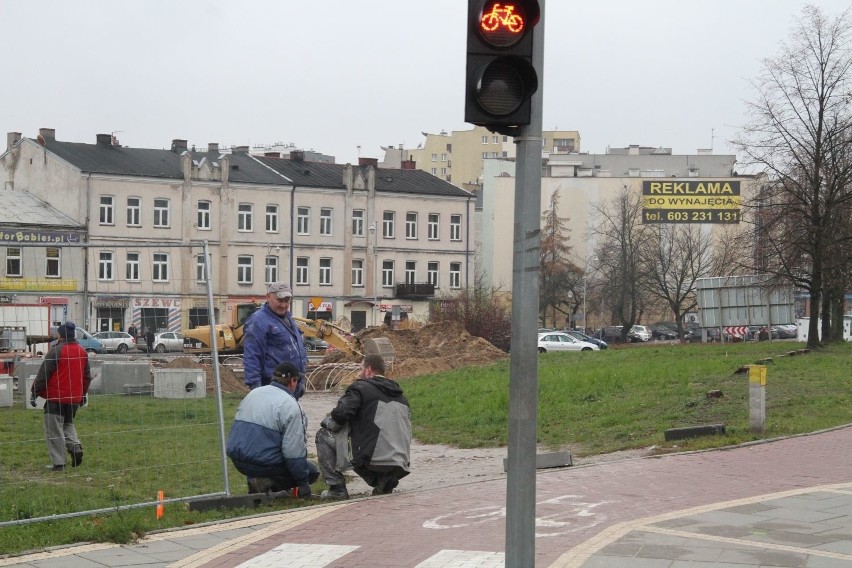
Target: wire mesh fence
x: 148, y: 426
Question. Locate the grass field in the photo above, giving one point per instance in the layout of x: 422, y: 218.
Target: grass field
x: 593, y: 402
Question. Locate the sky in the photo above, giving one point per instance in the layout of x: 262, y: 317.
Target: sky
x: 346, y: 78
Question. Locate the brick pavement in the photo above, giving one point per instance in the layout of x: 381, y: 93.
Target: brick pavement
x: 676, y: 511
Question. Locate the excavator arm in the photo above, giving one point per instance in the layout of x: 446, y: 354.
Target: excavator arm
x: 330, y: 333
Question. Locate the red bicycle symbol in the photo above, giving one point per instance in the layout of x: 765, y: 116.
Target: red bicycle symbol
x: 504, y: 16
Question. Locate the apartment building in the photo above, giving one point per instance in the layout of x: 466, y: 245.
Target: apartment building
x: 459, y: 156
x: 148, y: 213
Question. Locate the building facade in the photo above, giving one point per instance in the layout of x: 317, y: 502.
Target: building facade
x: 147, y: 213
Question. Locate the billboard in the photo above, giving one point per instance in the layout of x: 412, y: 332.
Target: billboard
x: 690, y: 201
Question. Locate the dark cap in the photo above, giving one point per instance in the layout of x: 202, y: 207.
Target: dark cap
x: 286, y: 370
x: 66, y: 330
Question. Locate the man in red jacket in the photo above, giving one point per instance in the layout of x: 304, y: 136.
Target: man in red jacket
x: 63, y: 381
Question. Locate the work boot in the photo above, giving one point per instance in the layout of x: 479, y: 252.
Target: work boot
x: 385, y: 485
x: 335, y: 492
x: 55, y: 467
x: 76, y: 455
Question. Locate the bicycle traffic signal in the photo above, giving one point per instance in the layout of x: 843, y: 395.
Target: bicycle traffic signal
x: 500, y: 77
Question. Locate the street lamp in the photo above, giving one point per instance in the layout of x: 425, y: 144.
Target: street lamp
x: 375, y: 237
x: 585, y: 275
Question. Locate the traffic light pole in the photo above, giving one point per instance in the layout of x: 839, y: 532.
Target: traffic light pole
x: 523, y: 375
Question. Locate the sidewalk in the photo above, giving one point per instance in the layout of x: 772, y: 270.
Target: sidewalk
x: 785, y: 503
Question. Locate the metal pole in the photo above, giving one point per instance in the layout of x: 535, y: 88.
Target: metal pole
x: 584, y: 303
x: 523, y: 368
x: 374, y: 230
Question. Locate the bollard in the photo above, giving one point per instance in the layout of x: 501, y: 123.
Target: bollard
x: 757, y: 398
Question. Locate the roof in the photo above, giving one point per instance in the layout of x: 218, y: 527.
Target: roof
x: 318, y: 174
x: 21, y: 208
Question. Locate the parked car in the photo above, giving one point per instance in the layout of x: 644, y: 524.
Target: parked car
x: 315, y: 344
x: 663, y: 332
x: 165, y: 341
x: 86, y: 340
x: 786, y: 331
x: 588, y: 339
x: 639, y: 333
x: 116, y: 341
x: 560, y: 341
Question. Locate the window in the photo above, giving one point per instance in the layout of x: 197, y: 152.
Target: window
x: 106, y: 212
x: 302, y: 270
x: 51, y: 269
x: 495, y: 139
x: 271, y: 271
x: 455, y: 275
x: 325, y: 221
x: 271, y: 218
x: 494, y: 154
x: 204, y: 215
x: 443, y: 157
x: 443, y: 171
x: 410, y: 271
x: 105, y: 266
x: 387, y: 224
x: 484, y: 155
x: 485, y: 139
x: 358, y: 272
x: 434, y: 171
x: 303, y: 225
x: 131, y: 267
x: 432, y: 273
x: 411, y: 225
x: 434, y: 157
x: 432, y: 227
x: 161, y: 213
x: 200, y: 273
x: 13, y: 261
x: 244, y: 269
x: 455, y: 227
x: 161, y: 267
x: 244, y: 217
x: 358, y: 223
x: 134, y: 212
x: 505, y: 139
x: 387, y: 273
x: 325, y: 272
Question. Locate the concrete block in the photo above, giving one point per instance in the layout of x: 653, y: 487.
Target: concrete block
x: 109, y: 377
x: 180, y: 383
x: 7, y: 390
x: 544, y: 461
x: 694, y: 431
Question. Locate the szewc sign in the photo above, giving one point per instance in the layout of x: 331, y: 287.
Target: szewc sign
x: 693, y: 201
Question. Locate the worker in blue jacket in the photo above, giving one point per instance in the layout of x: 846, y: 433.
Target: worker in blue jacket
x: 268, y: 440
x: 271, y: 338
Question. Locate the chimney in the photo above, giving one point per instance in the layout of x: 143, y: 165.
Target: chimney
x: 297, y: 155
x: 103, y: 139
x: 213, y: 147
x: 178, y: 145
x: 47, y: 133
x: 12, y: 138
x: 368, y: 162
x: 408, y: 165
x: 240, y: 150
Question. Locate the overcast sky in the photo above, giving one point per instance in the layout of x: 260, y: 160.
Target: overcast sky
x: 333, y: 76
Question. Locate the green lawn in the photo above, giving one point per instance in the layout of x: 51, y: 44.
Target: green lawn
x: 591, y: 402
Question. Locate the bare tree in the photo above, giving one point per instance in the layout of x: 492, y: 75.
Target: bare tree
x: 673, y: 258
x: 561, y: 279
x: 620, y: 235
x: 799, y: 132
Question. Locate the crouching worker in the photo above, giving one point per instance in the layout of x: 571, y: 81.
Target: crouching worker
x: 268, y: 440
x: 372, y: 418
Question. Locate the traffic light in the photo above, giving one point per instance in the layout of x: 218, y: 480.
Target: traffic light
x: 501, y: 78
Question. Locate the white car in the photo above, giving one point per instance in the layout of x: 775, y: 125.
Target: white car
x: 116, y: 341
x: 639, y: 333
x: 166, y: 341
x: 556, y: 341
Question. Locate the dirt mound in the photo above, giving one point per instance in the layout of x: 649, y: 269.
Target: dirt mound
x: 230, y: 381
x: 430, y: 348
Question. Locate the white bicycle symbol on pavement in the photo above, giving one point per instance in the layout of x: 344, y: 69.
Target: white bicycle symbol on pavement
x: 573, y: 515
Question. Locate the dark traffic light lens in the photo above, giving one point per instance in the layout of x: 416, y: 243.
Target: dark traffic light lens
x: 501, y: 88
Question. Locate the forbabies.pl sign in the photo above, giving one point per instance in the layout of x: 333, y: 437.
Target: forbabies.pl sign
x: 690, y: 201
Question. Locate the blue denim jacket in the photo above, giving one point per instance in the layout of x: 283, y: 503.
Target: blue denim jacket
x: 269, y: 341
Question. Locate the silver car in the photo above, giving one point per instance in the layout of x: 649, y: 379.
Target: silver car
x: 557, y: 341
x: 116, y: 341
x: 168, y: 341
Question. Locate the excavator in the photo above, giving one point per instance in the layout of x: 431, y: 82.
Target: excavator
x: 229, y: 338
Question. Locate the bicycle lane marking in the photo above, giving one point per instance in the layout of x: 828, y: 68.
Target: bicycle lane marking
x: 579, y: 516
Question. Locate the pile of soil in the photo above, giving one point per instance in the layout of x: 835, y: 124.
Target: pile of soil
x: 418, y: 350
